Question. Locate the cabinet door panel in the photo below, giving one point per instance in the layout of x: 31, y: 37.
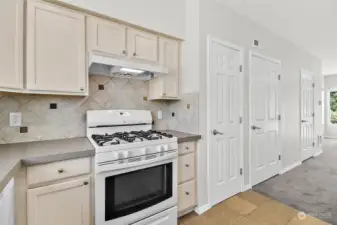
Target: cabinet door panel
x: 169, y: 58
x: 106, y: 37
x: 56, y: 58
x: 142, y: 45
x: 11, y: 44
x: 65, y: 203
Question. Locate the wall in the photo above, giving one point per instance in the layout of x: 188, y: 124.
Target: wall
x: 330, y: 83
x: 219, y: 21
x: 159, y: 15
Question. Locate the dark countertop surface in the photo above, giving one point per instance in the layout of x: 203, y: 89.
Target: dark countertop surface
x: 182, y: 136
x: 12, y: 156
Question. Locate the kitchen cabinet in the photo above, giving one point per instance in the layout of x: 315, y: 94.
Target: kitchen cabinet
x: 142, y: 45
x: 7, y: 216
x: 56, y: 54
x: 66, y: 203
x: 11, y: 45
x: 187, y: 178
x: 167, y: 86
x: 106, y: 37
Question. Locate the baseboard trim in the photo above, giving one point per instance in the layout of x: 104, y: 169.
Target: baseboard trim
x: 202, y: 209
x: 246, y: 188
x: 288, y: 168
x: 318, y: 153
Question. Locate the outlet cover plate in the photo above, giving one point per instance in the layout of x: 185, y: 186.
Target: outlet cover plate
x: 15, y: 119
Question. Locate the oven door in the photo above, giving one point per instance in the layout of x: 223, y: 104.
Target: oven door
x: 130, y: 195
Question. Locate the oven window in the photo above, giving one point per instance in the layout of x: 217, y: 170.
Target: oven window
x: 131, y: 192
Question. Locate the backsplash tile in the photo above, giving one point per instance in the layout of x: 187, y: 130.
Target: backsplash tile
x: 68, y: 120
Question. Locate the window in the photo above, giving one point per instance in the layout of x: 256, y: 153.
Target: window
x: 333, y: 107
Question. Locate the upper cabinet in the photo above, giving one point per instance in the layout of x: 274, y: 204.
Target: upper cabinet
x: 143, y: 45
x: 106, y: 37
x: 167, y: 87
x: 56, y: 54
x: 11, y: 45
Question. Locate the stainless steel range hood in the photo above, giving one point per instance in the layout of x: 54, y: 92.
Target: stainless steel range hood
x: 107, y: 66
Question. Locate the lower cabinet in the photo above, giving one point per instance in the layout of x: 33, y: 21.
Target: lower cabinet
x: 187, y: 178
x: 66, y: 203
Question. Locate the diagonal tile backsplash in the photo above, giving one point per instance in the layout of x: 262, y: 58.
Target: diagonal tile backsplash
x: 68, y: 119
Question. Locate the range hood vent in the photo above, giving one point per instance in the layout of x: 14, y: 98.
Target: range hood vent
x: 106, y: 66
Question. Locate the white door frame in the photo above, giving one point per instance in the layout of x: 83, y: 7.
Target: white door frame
x: 251, y: 54
x: 304, y: 71
x: 211, y: 39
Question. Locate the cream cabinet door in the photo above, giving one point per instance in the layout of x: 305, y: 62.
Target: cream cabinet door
x: 11, y: 44
x: 169, y: 58
x: 142, y: 45
x: 106, y: 37
x: 56, y: 56
x: 65, y: 203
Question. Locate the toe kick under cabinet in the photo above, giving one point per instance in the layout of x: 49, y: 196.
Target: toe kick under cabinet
x: 186, y: 178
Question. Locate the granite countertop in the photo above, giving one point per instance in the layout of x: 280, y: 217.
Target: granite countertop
x: 12, y: 156
x: 182, y: 136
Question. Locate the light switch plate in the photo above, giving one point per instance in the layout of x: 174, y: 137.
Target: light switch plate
x: 15, y: 119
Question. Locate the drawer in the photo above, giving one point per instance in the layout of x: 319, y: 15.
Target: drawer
x: 186, y: 147
x: 58, y: 170
x: 186, y: 167
x: 186, y: 196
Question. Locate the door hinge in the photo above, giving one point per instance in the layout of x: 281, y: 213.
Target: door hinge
x: 241, y: 68
x: 241, y: 171
x: 313, y: 85
x: 279, y: 77
x: 279, y: 157
x: 279, y: 117
x: 241, y: 120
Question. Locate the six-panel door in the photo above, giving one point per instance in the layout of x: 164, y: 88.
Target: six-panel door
x: 56, y: 58
x: 11, y: 45
x: 65, y: 203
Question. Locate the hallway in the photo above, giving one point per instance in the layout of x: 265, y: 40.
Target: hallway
x: 311, y: 187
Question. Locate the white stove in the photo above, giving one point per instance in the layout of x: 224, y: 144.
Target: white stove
x: 135, y: 169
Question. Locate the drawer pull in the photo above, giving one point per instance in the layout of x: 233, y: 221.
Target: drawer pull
x: 187, y: 165
x: 85, y: 183
x: 60, y: 171
x: 187, y: 193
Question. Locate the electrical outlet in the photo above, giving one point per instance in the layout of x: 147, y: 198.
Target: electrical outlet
x: 15, y: 119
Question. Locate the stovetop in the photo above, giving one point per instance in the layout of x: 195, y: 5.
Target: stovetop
x: 129, y: 137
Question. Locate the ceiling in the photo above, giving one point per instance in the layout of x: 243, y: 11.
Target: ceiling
x: 309, y: 24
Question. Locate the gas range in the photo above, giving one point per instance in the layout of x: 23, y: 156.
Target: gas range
x: 136, y: 169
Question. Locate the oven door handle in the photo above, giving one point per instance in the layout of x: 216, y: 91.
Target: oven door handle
x: 160, y: 221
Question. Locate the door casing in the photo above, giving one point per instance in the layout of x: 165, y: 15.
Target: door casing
x: 211, y: 39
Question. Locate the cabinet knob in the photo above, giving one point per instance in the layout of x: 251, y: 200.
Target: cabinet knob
x: 60, y: 171
x: 187, y: 165
x: 124, y: 52
x: 164, y: 94
x: 187, y: 193
x: 85, y: 183
x: 134, y: 54
x: 187, y: 148
x: 82, y: 89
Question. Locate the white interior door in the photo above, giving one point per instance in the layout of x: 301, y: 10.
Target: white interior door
x: 225, y: 104
x: 264, y: 92
x: 307, y: 114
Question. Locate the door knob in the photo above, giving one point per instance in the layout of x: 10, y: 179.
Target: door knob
x: 215, y: 132
x: 256, y: 128
x: 304, y: 121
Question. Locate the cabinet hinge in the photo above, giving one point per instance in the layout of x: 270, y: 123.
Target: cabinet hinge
x: 279, y: 77
x: 241, y: 171
x: 279, y: 157
x: 241, y: 68
x: 241, y: 120
x: 279, y: 117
